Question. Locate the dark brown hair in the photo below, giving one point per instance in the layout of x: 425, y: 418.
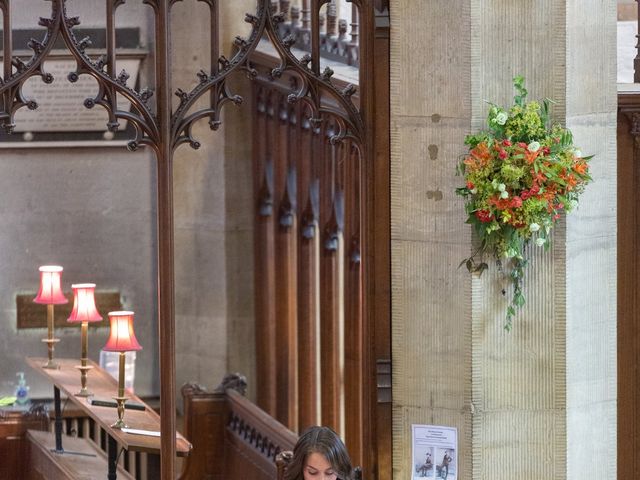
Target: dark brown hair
x: 326, y: 442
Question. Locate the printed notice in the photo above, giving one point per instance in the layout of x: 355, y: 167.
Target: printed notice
x: 435, y: 452
x: 61, y: 104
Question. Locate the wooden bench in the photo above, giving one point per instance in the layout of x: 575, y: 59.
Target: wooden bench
x: 13, y: 441
x: 232, y: 438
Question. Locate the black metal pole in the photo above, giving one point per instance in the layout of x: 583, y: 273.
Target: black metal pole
x: 58, y: 421
x: 113, y: 459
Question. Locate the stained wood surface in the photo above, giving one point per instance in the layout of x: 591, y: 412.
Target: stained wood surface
x: 103, y: 385
x: 232, y: 437
x: 330, y: 269
x: 14, y: 446
x: 628, y: 288
x: 47, y: 464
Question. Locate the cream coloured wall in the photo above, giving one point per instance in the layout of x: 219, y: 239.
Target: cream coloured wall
x: 538, y: 402
x: 106, y: 229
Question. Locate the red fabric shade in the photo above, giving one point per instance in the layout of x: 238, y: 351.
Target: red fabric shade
x: 84, y: 304
x: 50, y: 292
x: 122, y: 338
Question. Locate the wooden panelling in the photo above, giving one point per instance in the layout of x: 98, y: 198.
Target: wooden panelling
x: 13, y: 443
x: 353, y: 337
x: 322, y: 248
x: 87, y: 461
x: 286, y: 268
x: 628, y: 286
x: 232, y: 437
x: 330, y: 378
x: 308, y: 385
x: 264, y: 252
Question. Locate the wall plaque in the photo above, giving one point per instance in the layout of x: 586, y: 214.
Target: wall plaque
x: 61, y: 103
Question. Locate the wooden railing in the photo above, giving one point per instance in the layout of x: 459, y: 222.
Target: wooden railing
x: 308, y: 266
x: 139, y: 464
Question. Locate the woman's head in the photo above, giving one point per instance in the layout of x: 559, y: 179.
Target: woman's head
x: 319, y: 455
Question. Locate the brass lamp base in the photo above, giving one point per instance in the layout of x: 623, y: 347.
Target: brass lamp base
x: 120, y: 422
x: 50, y: 345
x: 84, y: 391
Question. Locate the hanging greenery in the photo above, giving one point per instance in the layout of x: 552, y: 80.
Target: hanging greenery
x: 520, y: 175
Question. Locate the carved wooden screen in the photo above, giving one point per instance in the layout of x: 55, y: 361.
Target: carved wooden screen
x: 325, y: 118
x: 311, y: 210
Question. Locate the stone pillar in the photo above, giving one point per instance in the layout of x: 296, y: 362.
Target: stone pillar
x: 213, y: 213
x: 199, y: 210
x: 538, y: 402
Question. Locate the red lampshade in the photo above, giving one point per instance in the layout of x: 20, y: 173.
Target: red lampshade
x: 50, y: 292
x: 84, y: 304
x: 122, y: 338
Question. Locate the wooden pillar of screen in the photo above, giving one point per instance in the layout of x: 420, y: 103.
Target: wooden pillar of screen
x: 353, y: 340
x: 286, y: 272
x: 307, y: 272
x: 264, y: 250
x: 628, y: 142
x: 329, y: 291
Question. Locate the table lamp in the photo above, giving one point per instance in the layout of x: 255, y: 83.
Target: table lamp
x: 84, y: 311
x: 50, y: 294
x: 121, y: 339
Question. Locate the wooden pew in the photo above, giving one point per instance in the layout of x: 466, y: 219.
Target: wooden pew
x: 14, y: 446
x: 232, y: 438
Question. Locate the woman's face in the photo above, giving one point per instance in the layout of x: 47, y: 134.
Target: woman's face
x: 316, y: 467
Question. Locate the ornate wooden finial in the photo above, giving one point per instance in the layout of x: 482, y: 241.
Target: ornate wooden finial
x: 234, y: 381
x: 283, y: 459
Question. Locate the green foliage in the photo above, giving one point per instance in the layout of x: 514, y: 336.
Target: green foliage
x: 520, y: 175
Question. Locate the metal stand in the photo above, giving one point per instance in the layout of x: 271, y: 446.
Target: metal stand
x: 58, y: 423
x: 113, y: 459
x: 58, y: 427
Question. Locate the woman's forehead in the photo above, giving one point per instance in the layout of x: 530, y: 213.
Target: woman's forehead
x: 317, y: 461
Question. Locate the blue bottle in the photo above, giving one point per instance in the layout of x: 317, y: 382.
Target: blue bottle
x: 22, y: 390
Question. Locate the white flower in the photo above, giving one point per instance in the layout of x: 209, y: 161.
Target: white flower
x: 504, y: 194
x: 501, y: 118
x: 534, y: 227
x: 577, y: 153
x: 473, y: 191
x: 534, y: 146
x: 573, y: 203
x: 502, y: 187
x: 541, y: 241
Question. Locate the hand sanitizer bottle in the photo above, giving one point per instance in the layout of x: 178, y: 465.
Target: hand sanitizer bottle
x: 22, y: 390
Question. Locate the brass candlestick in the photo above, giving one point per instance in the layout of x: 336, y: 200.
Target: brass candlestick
x: 50, y: 340
x: 121, y: 339
x: 50, y: 294
x: 83, y: 367
x: 120, y: 399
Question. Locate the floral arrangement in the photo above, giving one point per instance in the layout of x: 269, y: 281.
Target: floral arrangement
x: 520, y: 176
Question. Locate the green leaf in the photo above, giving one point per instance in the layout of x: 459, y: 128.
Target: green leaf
x: 481, y: 268
x: 518, y: 299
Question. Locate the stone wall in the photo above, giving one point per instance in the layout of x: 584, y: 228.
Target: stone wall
x: 524, y: 403
x: 99, y: 220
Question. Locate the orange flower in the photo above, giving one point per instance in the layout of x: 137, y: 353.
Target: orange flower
x: 530, y: 156
x: 478, y: 157
x: 581, y: 168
